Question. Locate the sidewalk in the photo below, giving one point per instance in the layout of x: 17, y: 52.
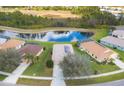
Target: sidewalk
x: 119, y: 63
x: 16, y: 73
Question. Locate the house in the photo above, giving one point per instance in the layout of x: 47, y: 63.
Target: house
x: 118, y: 34
x: 2, y: 40
x: 97, y: 51
x: 12, y: 43
x: 61, y: 50
x: 113, y: 42
x: 32, y: 49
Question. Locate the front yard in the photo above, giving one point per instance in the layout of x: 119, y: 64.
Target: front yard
x: 97, y: 67
x: 121, y: 53
x: 33, y: 82
x: 40, y: 68
x: 2, y: 77
x: 95, y: 80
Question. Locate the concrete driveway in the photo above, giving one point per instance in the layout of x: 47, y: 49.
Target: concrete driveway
x: 12, y: 78
x: 119, y: 63
x: 59, y: 51
x: 58, y: 79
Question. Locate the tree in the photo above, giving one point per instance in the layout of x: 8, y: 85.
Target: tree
x: 76, y: 65
x: 49, y: 64
x: 9, y: 59
x: 29, y: 58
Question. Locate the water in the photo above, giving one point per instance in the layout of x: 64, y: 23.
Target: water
x: 60, y: 36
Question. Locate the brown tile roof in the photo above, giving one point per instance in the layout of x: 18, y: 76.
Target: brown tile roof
x: 98, y: 50
x: 30, y: 49
x: 12, y: 43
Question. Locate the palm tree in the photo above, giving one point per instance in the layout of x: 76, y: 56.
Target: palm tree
x: 29, y: 57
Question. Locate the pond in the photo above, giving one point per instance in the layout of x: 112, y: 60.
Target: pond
x: 52, y: 36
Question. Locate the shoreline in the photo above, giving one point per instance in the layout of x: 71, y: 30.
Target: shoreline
x: 19, y: 30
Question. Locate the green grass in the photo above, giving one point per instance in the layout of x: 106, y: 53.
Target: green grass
x: 103, y: 68
x: 2, y: 77
x: 100, y: 68
x: 121, y: 53
x: 95, y: 80
x: 40, y: 68
x: 33, y: 82
x: 100, y: 33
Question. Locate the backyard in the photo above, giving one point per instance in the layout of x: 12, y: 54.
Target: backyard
x: 100, y: 33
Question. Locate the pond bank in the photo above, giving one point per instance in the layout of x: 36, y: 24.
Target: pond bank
x: 19, y: 30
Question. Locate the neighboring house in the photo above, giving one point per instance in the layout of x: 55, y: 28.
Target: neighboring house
x: 61, y: 50
x: 97, y: 51
x: 113, y: 42
x: 118, y: 34
x: 35, y: 50
x: 12, y: 43
x: 2, y: 40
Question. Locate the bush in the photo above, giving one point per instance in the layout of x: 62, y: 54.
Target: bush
x: 49, y: 64
x: 9, y: 60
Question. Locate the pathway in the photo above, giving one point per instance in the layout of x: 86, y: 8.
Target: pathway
x: 82, y: 77
x: 119, y: 63
x: 99, y: 75
x: 16, y: 73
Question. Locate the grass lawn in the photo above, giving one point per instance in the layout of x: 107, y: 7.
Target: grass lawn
x: 40, y: 68
x: 100, y: 33
x: 2, y: 77
x: 33, y: 82
x: 121, y: 53
x: 100, y: 68
x: 103, y: 68
x: 95, y: 80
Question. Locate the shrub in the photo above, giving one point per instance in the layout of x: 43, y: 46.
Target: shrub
x: 49, y: 64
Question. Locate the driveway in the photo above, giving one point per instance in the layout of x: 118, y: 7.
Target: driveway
x: 16, y: 73
x: 119, y: 63
x: 59, y: 51
x: 58, y: 79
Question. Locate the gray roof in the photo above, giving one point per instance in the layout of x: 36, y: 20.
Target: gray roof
x: 113, y: 40
x: 118, y: 32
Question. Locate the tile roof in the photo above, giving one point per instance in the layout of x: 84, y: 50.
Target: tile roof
x: 113, y: 40
x: 30, y: 49
x: 12, y: 43
x: 98, y: 50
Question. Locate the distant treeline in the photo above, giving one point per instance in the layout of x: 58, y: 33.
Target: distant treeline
x: 91, y: 17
